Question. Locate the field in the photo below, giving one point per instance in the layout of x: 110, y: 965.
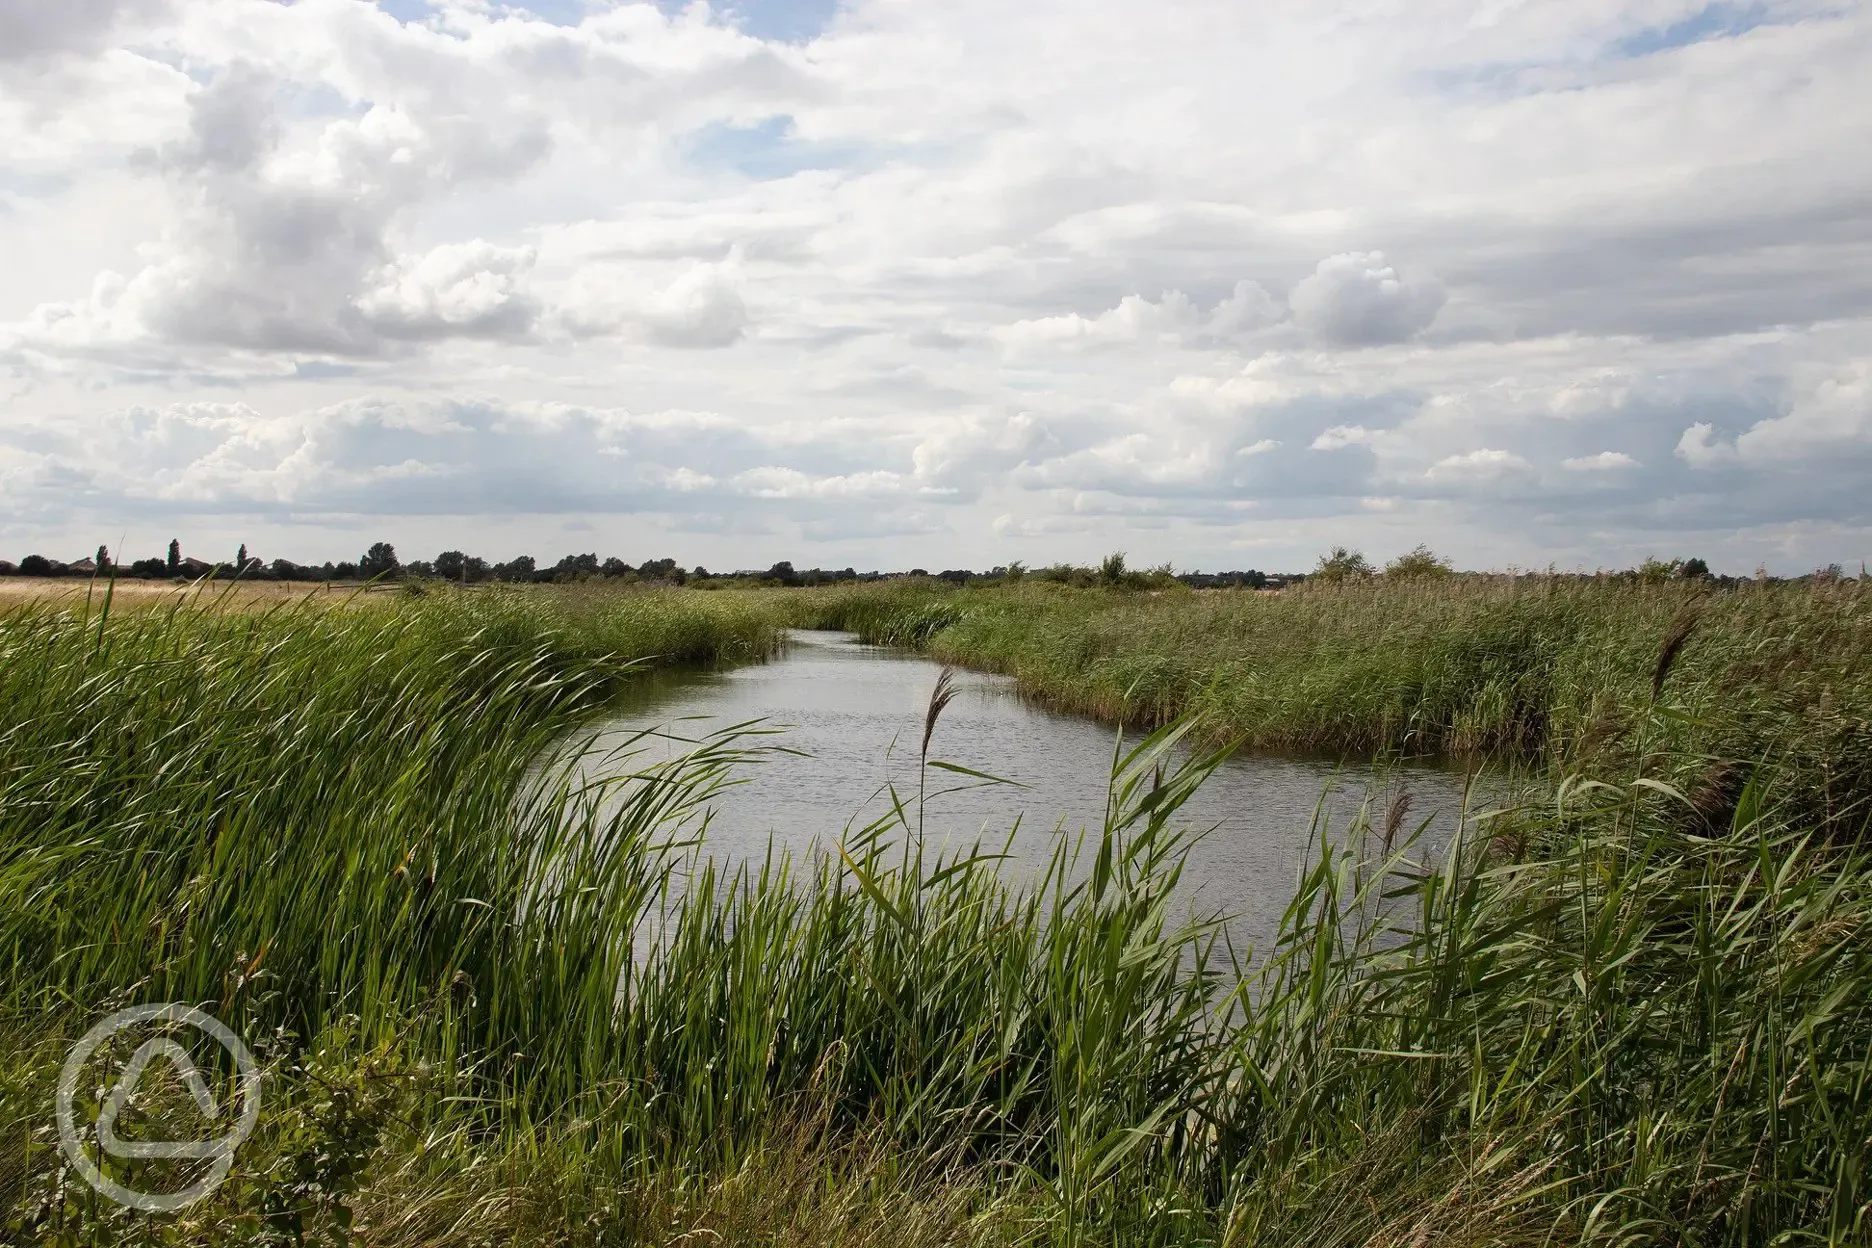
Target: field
x: 1635, y: 1007
x: 18, y: 590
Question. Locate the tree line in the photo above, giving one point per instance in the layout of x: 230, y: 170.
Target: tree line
x: 380, y: 563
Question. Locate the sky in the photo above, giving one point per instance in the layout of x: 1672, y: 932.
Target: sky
x: 893, y: 283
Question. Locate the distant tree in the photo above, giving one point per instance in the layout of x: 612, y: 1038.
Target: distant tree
x: 341, y: 572
x: 1014, y: 571
x: 379, y: 560
x: 614, y: 567
x: 784, y: 573
x: 240, y: 559
x: 701, y: 573
x: 151, y: 569
x: 35, y: 565
x: 1250, y: 579
x: 175, y: 555
x: 8, y: 568
x: 1163, y: 576
x: 1418, y: 564
x: 1693, y: 569
x: 1112, y: 569
x: 1341, y: 564
x: 662, y: 570
x: 453, y: 565
x: 520, y: 568
x: 102, y: 559
x: 1656, y: 571
x: 576, y: 568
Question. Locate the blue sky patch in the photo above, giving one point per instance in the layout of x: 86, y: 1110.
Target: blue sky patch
x: 765, y: 150
x: 783, y: 21
x: 786, y: 21
x: 1504, y: 79
x: 405, y: 10
x: 1712, y: 21
x: 558, y: 12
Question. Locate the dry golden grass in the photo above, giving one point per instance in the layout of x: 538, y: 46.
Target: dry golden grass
x: 21, y: 589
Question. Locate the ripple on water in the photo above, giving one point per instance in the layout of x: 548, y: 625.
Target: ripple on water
x: 856, y: 713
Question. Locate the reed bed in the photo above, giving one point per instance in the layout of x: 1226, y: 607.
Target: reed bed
x: 1606, y: 676
x: 1608, y: 1015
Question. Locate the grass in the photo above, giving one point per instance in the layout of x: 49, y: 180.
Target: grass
x: 1610, y: 1015
x: 1601, y: 676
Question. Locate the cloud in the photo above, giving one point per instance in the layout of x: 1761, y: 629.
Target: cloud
x: 893, y: 280
x: 1272, y: 378
x: 1834, y: 416
x: 472, y: 289
x: 1134, y: 319
x: 791, y: 483
x: 1358, y: 300
x: 1602, y: 462
x: 1483, y: 464
x: 1172, y: 320
x: 961, y: 453
x: 382, y: 457
x: 288, y: 250
x: 701, y: 307
x: 31, y: 29
x: 1341, y: 436
x: 1831, y: 420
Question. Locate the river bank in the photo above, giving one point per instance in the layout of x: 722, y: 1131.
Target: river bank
x: 1608, y: 677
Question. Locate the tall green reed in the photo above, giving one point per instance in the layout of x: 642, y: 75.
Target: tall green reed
x: 316, y: 819
x: 1618, y: 1013
x: 1607, y: 677
x: 1600, y: 1019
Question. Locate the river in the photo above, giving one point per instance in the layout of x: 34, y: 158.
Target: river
x: 855, y: 713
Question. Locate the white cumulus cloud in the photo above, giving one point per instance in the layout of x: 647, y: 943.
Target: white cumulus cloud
x: 1174, y: 319
x: 1601, y: 462
x: 856, y: 296
x: 1358, y: 300
x: 1484, y: 463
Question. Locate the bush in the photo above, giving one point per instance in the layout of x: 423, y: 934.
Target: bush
x: 1420, y: 563
x: 1341, y: 564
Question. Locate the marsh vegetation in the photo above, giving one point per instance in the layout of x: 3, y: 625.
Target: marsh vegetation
x: 1633, y: 1004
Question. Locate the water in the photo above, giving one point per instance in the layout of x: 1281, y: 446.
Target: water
x: 856, y: 712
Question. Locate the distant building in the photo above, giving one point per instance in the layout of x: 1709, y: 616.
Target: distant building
x: 83, y: 567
